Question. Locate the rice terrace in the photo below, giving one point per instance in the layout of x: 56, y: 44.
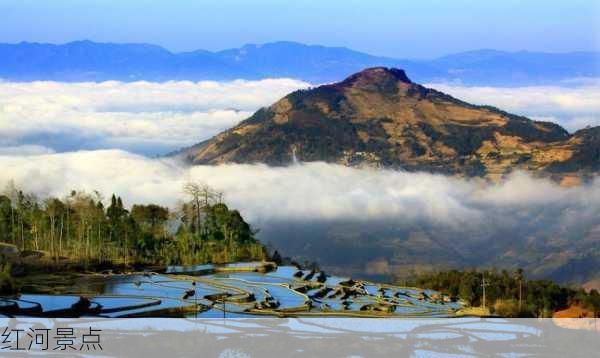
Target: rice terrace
x: 235, y: 290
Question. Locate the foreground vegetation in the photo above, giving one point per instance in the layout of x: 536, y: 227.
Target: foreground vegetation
x: 508, y: 294
x: 86, y: 230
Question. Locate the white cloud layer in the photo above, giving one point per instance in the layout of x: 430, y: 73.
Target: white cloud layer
x: 310, y: 191
x: 25, y: 150
x: 380, y: 208
x: 571, y: 107
x: 155, y: 118
x: 347, y: 217
x: 144, y: 117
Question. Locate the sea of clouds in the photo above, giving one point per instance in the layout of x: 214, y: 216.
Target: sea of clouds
x: 142, y: 117
x: 308, y: 191
x: 350, y: 218
x: 157, y: 118
x: 573, y: 107
x: 55, y: 137
x: 58, y: 137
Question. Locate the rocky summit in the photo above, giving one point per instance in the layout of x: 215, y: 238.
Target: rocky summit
x: 379, y: 117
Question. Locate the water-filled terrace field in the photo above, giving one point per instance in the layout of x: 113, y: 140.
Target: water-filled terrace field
x: 230, y: 290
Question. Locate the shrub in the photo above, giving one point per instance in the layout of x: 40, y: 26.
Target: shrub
x: 7, y: 283
x: 506, y: 308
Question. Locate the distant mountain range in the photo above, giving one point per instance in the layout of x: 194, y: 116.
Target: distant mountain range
x: 379, y: 117
x: 92, y: 61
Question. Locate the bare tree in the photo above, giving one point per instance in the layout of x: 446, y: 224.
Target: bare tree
x: 219, y: 197
x: 194, y: 190
x: 202, y: 197
x: 11, y: 192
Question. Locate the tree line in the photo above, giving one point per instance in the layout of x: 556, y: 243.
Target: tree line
x: 508, y: 294
x: 84, y: 227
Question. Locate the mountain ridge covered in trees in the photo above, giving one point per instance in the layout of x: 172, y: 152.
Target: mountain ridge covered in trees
x: 508, y: 294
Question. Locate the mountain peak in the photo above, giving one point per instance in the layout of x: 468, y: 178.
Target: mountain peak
x: 379, y: 117
x: 377, y: 75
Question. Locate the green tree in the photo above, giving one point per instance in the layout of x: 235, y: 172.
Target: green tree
x: 519, y: 279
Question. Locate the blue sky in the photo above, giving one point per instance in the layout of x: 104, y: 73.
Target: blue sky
x: 424, y: 28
